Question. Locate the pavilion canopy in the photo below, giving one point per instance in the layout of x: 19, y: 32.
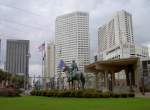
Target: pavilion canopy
x: 114, y: 65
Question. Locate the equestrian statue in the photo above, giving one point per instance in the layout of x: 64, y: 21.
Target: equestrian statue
x: 73, y: 74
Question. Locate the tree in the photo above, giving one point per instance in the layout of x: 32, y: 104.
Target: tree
x: 12, y: 79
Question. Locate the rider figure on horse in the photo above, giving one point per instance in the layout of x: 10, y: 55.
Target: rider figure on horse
x: 74, y: 67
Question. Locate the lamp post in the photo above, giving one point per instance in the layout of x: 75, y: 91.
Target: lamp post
x: 26, y: 76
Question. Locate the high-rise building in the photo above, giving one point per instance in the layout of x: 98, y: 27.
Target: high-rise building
x: 115, y: 38
x: 50, y: 62
x: 72, y: 39
x: 117, y: 31
x: 17, y: 57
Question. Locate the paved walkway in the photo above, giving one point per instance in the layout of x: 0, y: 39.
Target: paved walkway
x: 147, y: 95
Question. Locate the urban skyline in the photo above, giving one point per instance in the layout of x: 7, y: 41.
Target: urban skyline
x: 102, y: 18
x: 61, y: 54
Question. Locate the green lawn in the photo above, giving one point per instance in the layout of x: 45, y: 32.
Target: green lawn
x: 46, y: 103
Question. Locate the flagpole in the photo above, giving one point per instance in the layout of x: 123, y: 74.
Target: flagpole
x: 42, y: 55
x: 42, y: 65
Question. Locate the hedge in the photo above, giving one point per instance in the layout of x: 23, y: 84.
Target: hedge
x: 79, y: 94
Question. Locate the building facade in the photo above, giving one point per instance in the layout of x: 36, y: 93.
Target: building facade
x: 72, y: 39
x: 125, y: 51
x: 145, y: 73
x: 145, y: 67
x: 17, y: 57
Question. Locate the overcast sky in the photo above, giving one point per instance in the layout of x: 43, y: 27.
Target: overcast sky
x: 34, y: 20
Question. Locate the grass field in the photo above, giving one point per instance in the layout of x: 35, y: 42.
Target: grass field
x: 46, y: 103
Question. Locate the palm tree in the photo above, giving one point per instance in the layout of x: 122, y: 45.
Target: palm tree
x: 3, y: 77
x: 11, y: 79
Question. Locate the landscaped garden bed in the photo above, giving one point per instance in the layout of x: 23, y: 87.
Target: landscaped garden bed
x: 80, y: 94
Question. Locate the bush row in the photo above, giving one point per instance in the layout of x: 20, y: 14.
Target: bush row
x: 79, y: 94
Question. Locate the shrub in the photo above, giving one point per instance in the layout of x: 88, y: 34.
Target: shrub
x: 106, y: 95
x: 60, y: 94
x: 101, y: 95
x: 123, y: 95
x: 36, y: 93
x: 131, y: 94
x: 115, y: 95
x: 55, y: 93
x: 72, y: 93
x: 47, y: 94
x: 79, y: 93
x: 88, y: 94
x: 64, y: 93
x: 67, y: 93
x: 44, y: 93
x: 32, y: 92
x: 96, y: 95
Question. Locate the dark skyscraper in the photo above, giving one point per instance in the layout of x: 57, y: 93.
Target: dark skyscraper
x: 17, y: 57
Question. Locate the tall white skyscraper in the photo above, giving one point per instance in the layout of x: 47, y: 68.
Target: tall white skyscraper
x: 115, y: 38
x: 72, y: 39
x: 49, y: 71
x: 117, y: 31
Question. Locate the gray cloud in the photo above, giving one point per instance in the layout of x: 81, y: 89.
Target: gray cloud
x: 34, y: 20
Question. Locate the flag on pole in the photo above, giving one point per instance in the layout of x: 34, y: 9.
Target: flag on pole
x: 42, y: 47
x: 44, y: 56
x: 61, y: 64
x: 60, y: 51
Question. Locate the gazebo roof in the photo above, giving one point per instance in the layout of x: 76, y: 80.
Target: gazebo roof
x: 112, y: 65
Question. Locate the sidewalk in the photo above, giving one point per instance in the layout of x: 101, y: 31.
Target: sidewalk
x: 147, y: 95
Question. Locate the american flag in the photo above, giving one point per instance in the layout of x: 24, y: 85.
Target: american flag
x: 44, y: 56
x: 42, y: 47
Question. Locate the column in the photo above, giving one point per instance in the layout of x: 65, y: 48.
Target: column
x: 113, y: 79
x: 137, y: 76
x: 97, y: 81
x: 106, y: 86
x: 127, y: 77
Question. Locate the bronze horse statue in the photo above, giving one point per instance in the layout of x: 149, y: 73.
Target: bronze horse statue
x: 74, y: 76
